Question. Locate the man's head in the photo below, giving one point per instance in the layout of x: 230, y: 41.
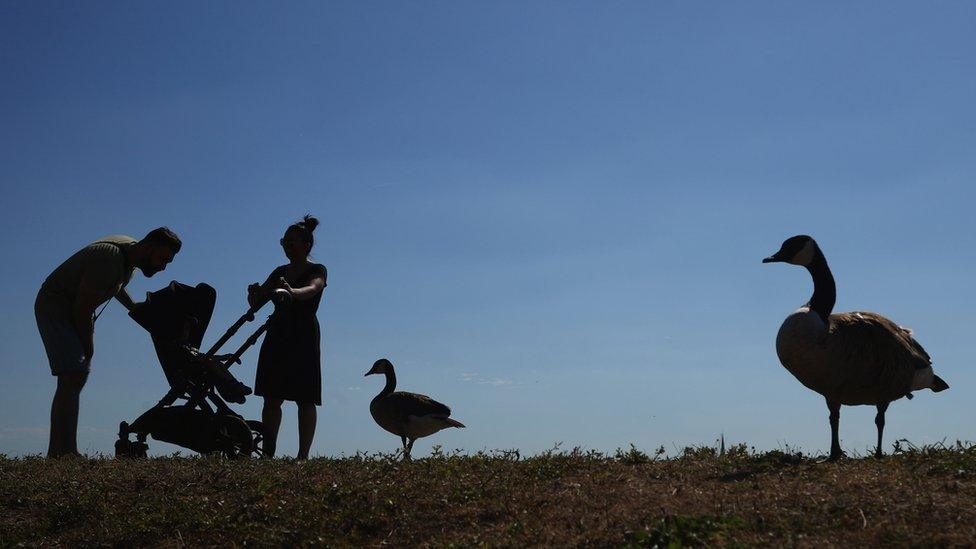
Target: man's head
x: 156, y: 250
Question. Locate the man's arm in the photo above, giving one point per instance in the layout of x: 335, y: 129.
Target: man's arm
x: 102, y: 277
x: 125, y: 299
x: 83, y: 315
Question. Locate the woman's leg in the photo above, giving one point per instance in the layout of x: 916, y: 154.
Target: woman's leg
x: 306, y: 428
x: 271, y: 419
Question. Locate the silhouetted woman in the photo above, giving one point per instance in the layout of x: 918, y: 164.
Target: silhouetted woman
x: 289, y: 366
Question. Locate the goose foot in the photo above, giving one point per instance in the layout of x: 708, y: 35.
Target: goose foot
x: 832, y: 458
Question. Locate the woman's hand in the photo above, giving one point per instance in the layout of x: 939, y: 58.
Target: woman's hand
x: 283, y: 284
x: 314, y: 287
x: 255, y: 295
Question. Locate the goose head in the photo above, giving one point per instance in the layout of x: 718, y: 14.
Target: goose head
x: 797, y: 250
x: 381, y: 366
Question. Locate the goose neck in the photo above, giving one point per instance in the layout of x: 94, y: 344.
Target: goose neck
x: 824, y: 288
x: 390, y: 383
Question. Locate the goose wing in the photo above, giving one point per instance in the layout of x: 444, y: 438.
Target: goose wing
x: 869, y: 338
x: 413, y: 404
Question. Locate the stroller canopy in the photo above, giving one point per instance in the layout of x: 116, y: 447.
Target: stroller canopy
x: 176, y: 316
x: 178, y: 312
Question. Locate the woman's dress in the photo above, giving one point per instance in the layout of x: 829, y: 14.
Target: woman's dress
x: 289, y: 365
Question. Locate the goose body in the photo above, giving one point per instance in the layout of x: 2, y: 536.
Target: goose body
x: 854, y: 358
x: 862, y: 358
x: 407, y: 415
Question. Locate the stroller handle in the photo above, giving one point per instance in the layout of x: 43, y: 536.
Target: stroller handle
x: 245, y: 318
x: 280, y: 298
x: 236, y: 356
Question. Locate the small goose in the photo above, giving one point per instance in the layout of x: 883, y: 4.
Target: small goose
x: 407, y: 415
x: 855, y: 358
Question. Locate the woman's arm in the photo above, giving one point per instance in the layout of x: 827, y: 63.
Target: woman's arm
x: 305, y: 292
x: 259, y: 294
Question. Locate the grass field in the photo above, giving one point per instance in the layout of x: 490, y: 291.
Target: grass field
x: 918, y: 496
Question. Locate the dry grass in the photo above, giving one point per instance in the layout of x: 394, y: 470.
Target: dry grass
x: 915, y: 497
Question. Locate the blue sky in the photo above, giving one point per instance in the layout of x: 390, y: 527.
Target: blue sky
x: 548, y: 215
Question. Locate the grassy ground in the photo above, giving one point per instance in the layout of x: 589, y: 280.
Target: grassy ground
x: 914, y: 497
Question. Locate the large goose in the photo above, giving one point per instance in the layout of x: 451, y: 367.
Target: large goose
x: 854, y: 358
x: 407, y: 415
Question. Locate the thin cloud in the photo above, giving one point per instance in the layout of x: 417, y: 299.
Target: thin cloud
x: 494, y: 382
x: 497, y: 382
x: 23, y: 432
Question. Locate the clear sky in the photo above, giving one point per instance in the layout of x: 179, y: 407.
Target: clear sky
x: 548, y: 215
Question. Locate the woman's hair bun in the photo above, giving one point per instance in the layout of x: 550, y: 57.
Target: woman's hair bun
x: 309, y: 223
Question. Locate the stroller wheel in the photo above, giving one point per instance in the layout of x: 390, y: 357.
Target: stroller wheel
x: 125, y: 448
x: 234, y: 437
x: 121, y: 448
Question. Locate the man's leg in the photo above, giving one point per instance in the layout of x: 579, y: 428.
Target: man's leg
x: 64, y: 414
x: 66, y: 357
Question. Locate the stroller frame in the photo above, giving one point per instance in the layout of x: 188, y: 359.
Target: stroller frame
x: 204, y: 422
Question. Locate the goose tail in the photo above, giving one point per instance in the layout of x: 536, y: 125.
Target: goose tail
x: 453, y: 423
x: 925, y: 378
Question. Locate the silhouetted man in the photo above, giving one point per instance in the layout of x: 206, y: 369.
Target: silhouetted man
x: 65, y: 312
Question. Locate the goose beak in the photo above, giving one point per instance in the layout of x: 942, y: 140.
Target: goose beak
x: 772, y: 259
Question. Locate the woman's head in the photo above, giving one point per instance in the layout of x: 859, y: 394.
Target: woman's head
x: 298, y: 240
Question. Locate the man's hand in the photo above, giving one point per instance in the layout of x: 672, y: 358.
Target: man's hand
x: 126, y: 300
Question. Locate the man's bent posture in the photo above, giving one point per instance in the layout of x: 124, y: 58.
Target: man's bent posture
x: 65, y: 312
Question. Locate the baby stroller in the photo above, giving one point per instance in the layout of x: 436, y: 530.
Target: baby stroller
x: 176, y: 318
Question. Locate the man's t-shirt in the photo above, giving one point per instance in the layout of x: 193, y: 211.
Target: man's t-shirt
x: 104, y: 266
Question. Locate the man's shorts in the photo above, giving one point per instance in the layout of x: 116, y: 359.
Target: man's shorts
x: 65, y: 353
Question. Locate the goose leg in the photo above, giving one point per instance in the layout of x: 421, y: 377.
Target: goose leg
x: 835, y: 451
x: 410, y: 446
x: 879, y: 420
x: 406, y: 450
